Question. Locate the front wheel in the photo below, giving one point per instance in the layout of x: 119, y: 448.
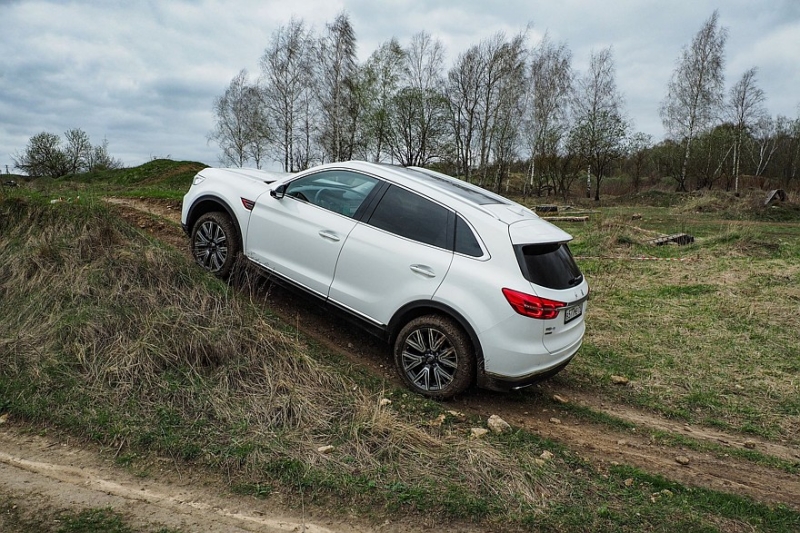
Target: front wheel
x: 215, y: 245
x: 435, y: 357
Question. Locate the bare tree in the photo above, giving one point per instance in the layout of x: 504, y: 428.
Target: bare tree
x: 546, y: 123
x: 638, y: 151
x: 77, y: 150
x: 765, y: 143
x: 500, y: 58
x: 42, y: 157
x: 485, y: 92
x: 694, y: 92
x: 710, y: 159
x: 509, y: 107
x: 45, y: 155
x: 101, y: 158
x: 745, y: 106
x: 336, y: 77
x: 232, y: 131
x: 419, y: 109
x: 600, y: 127
x: 378, y: 84
x: 464, y: 82
x: 287, y: 81
x: 787, y: 158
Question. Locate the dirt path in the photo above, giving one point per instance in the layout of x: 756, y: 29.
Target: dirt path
x: 39, y: 469
x: 41, y: 473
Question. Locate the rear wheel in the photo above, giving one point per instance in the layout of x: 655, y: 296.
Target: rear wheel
x: 434, y: 357
x: 215, y: 243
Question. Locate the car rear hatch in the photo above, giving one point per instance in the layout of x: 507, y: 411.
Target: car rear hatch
x: 547, y: 264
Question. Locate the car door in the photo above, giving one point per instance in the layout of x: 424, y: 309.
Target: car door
x: 299, y: 231
x: 399, y: 255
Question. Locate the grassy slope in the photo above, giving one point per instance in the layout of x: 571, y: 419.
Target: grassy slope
x: 118, y: 339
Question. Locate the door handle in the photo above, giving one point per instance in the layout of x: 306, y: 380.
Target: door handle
x: 329, y: 235
x: 424, y: 270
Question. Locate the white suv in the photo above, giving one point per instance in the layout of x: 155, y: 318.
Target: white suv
x: 467, y: 286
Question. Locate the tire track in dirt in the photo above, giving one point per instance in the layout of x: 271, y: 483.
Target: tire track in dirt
x: 600, y: 444
x: 41, y: 474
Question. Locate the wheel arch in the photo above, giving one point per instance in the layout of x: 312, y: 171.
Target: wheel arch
x: 207, y: 204
x: 412, y: 310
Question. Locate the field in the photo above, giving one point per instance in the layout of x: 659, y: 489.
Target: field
x: 680, y: 412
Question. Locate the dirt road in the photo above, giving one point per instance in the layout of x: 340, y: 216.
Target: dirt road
x: 50, y: 473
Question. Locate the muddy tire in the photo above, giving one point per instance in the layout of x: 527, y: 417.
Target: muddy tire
x: 435, y: 357
x: 215, y: 243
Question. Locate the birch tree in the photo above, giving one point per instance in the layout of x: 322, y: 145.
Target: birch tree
x: 765, y: 143
x: 464, y: 82
x: 745, y: 106
x: 379, y: 83
x: 287, y: 89
x: 600, y: 128
x: 232, y: 131
x: 336, y: 75
x: 550, y: 89
x: 419, y: 109
x: 695, y: 91
x: 507, y: 112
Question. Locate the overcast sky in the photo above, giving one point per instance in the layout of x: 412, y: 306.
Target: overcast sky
x: 144, y: 74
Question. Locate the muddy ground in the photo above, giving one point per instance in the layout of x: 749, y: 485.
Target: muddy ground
x: 59, y: 474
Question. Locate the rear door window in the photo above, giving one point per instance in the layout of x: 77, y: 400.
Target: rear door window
x: 548, y: 265
x: 409, y: 215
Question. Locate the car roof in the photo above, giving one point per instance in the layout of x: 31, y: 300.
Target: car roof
x: 456, y: 193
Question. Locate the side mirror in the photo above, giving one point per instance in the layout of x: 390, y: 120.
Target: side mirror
x: 279, y: 192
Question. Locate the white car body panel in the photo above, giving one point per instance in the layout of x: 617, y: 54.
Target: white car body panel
x: 379, y: 272
x: 298, y: 240
x: 374, y: 273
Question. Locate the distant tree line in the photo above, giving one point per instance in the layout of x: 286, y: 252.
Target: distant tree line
x: 47, y: 156
x: 501, y: 106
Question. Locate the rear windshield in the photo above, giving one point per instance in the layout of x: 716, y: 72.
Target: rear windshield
x: 548, y: 265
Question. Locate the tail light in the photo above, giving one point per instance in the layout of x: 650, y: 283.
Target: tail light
x: 533, y: 306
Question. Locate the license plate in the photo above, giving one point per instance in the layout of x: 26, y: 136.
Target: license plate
x: 571, y: 313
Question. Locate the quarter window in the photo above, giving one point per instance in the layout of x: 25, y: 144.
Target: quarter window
x: 411, y: 216
x: 466, y: 243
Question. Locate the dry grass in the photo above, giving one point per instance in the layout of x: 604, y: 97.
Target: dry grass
x: 128, y: 343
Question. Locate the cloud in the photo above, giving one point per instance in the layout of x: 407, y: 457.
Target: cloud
x: 145, y: 74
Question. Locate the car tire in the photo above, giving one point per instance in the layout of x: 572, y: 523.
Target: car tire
x: 435, y: 357
x: 215, y: 243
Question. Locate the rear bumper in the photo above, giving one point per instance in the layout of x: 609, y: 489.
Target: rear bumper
x: 507, y: 383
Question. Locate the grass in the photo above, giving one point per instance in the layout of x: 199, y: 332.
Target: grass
x: 705, y: 331
x: 16, y: 516
x: 159, y: 178
x: 118, y: 339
